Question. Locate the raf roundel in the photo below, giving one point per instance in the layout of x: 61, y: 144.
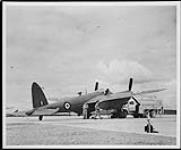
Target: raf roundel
x: 67, y: 105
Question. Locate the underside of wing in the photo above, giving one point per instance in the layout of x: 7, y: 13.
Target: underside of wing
x: 113, y: 103
x: 92, y: 102
x: 95, y: 99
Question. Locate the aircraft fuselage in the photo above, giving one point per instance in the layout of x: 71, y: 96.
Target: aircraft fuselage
x: 74, y: 104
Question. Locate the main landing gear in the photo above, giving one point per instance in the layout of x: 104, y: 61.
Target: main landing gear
x: 120, y: 114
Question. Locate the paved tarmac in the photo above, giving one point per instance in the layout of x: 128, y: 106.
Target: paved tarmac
x: 70, y: 130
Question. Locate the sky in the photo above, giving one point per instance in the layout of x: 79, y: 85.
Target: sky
x: 66, y: 49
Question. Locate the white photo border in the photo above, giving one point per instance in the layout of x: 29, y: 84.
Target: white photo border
x: 162, y: 3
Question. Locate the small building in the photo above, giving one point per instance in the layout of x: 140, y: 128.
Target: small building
x: 140, y: 106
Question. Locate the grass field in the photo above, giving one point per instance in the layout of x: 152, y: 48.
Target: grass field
x: 76, y: 131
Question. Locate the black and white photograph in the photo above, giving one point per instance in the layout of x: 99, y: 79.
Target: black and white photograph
x: 91, y: 74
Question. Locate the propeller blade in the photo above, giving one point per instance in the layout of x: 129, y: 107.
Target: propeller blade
x: 130, y: 83
x: 96, y: 86
x: 149, y: 91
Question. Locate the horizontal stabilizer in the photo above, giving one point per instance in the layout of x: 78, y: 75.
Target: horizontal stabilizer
x: 44, y: 112
x: 149, y: 91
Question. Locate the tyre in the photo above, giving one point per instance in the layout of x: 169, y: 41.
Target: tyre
x: 136, y: 115
x: 114, y: 115
x: 123, y: 114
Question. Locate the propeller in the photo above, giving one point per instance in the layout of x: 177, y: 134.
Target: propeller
x: 143, y: 92
x: 96, y: 86
x: 130, y: 83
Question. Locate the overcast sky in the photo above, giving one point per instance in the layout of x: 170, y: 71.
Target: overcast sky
x: 67, y: 48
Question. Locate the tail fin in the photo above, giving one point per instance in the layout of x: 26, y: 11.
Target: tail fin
x: 38, y: 97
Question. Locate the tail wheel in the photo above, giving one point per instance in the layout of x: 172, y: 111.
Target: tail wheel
x: 40, y: 118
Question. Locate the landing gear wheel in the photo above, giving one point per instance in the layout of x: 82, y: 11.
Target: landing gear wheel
x: 88, y: 114
x: 136, y: 115
x: 40, y: 118
x: 123, y: 114
x: 115, y: 115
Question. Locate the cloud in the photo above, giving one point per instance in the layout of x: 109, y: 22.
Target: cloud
x: 59, y: 48
x: 120, y: 71
x: 115, y: 75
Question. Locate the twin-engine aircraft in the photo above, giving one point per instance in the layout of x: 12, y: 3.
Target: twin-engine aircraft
x: 84, y: 104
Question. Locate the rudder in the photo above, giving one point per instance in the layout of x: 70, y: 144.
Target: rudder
x: 38, y: 97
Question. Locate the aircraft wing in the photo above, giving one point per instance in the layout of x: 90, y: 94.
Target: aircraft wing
x: 117, y: 100
x: 95, y: 99
x: 149, y: 91
x: 44, y: 112
x: 111, y: 101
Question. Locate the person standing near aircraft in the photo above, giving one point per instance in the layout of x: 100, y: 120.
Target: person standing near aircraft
x: 149, y: 127
x: 85, y: 111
